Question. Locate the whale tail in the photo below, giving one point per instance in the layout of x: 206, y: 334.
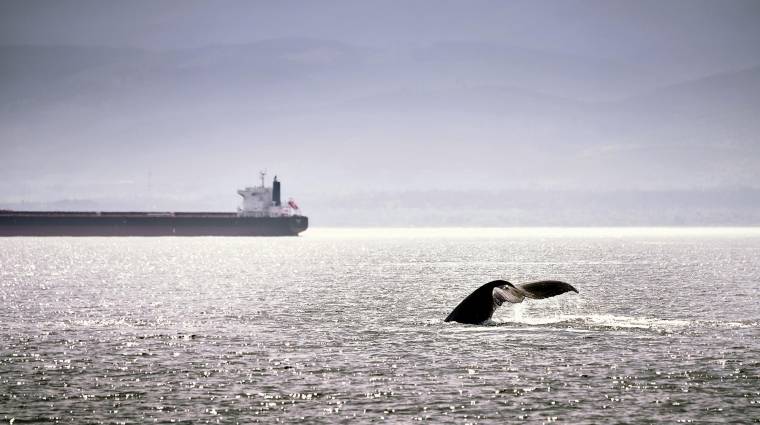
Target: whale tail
x: 481, y: 304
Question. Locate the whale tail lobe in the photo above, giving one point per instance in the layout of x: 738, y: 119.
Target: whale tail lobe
x: 545, y: 289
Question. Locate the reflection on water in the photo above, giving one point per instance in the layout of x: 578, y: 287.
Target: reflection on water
x: 348, y: 325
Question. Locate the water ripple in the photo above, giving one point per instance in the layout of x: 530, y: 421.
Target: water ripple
x: 349, y: 328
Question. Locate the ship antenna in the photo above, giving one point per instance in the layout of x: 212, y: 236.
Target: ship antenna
x: 263, y: 176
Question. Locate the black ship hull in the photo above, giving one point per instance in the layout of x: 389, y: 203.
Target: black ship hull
x: 35, y: 223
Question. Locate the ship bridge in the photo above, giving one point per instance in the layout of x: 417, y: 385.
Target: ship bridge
x: 262, y: 201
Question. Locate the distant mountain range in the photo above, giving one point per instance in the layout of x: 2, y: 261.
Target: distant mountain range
x: 76, y: 122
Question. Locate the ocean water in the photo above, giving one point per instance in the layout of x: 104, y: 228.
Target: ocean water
x: 346, y: 326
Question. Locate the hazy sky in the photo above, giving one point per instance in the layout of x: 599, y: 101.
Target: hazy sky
x: 629, y: 30
x: 186, y: 99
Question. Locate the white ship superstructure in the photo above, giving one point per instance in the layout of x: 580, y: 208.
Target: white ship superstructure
x: 262, y: 201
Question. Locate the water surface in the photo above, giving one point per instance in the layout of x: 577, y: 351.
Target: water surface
x: 345, y: 325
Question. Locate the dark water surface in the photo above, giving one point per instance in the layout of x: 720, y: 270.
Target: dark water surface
x: 346, y: 326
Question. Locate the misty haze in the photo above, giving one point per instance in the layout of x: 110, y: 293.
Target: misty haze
x: 397, y: 211
x: 441, y: 113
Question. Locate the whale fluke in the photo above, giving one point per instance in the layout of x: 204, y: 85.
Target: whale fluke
x: 481, y: 304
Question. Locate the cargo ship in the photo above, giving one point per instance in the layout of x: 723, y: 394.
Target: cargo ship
x: 261, y: 213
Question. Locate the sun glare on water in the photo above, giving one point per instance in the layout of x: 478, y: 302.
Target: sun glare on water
x: 529, y: 232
